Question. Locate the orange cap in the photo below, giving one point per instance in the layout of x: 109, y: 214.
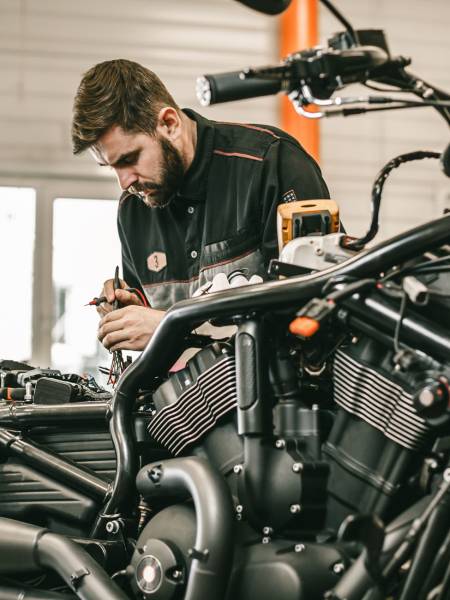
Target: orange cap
x: 304, y: 326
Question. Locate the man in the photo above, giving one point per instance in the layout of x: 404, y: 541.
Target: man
x: 199, y: 197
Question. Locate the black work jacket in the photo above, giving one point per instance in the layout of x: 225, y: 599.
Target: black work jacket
x: 224, y: 216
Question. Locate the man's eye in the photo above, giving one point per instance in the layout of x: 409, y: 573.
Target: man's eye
x: 129, y: 160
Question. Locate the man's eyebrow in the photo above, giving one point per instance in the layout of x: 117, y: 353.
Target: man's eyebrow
x: 125, y: 157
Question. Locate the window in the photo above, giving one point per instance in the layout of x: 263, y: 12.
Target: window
x: 17, y: 232
x: 86, y: 250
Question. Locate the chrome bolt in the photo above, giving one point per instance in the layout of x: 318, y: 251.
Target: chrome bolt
x: 239, y: 508
x: 338, y: 568
x: 238, y: 517
x: 237, y: 469
x: 296, y: 467
x: 299, y: 548
x: 177, y: 574
x: 266, y: 540
x: 28, y: 392
x: 267, y: 530
x: 280, y: 444
x: 295, y: 508
x: 112, y: 527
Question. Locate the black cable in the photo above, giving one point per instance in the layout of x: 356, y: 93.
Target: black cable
x: 377, y: 191
x: 351, y: 112
x: 340, y: 17
x: 413, y: 268
x: 387, y: 90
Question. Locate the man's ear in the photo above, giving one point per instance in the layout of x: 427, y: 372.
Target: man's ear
x: 169, y: 123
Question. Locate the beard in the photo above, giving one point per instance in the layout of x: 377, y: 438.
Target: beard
x: 159, y: 195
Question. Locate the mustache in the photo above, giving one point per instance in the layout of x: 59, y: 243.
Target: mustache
x: 145, y: 187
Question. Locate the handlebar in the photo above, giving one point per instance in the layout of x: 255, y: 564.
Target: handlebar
x: 312, y: 76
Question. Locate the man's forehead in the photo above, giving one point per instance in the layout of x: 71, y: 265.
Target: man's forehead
x: 112, y: 144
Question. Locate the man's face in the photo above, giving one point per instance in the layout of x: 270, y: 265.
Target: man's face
x: 149, y: 166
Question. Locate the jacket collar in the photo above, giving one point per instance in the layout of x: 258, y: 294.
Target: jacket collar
x: 195, y: 179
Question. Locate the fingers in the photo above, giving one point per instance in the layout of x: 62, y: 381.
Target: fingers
x: 129, y: 328
x: 124, y: 297
x: 110, y: 323
x: 109, y: 291
x: 128, y: 298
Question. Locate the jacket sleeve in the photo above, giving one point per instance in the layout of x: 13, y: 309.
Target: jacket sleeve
x: 289, y: 174
x: 129, y: 272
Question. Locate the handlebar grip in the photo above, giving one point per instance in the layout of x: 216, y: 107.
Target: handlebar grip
x: 226, y: 87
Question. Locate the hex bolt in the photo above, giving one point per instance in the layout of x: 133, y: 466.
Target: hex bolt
x: 295, y: 508
x: 155, y: 474
x: 237, y: 469
x: 112, y: 527
x: 338, y: 568
x: 297, y: 467
x: 299, y: 548
x: 280, y: 444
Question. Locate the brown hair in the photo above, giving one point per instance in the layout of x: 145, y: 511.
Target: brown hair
x: 117, y: 92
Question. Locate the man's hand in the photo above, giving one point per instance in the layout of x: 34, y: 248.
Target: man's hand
x: 125, y: 298
x: 129, y: 328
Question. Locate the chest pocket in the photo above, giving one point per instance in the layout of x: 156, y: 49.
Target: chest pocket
x: 230, y: 249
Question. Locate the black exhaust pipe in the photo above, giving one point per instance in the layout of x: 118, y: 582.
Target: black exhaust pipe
x: 25, y: 547
x: 212, y: 555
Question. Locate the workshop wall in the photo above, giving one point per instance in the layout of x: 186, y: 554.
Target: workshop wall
x: 46, y: 46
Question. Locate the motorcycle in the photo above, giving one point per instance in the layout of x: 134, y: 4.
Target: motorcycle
x: 307, y: 456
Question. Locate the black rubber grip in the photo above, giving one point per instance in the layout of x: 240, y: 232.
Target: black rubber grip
x: 226, y: 87
x: 268, y: 7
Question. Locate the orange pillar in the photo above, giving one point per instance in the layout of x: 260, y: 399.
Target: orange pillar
x: 299, y: 30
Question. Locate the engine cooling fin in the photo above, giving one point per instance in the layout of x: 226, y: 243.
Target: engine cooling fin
x: 198, y: 409
x: 376, y: 399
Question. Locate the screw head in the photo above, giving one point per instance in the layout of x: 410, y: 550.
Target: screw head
x: 239, y: 508
x: 295, y: 508
x: 266, y: 540
x: 267, y: 530
x: 338, y: 568
x: 299, y: 548
x: 238, y: 517
x: 280, y: 444
x: 112, y: 527
x: 237, y: 469
x: 177, y: 574
x: 297, y: 467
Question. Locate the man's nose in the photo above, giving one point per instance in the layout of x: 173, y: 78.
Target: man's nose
x: 126, y: 177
